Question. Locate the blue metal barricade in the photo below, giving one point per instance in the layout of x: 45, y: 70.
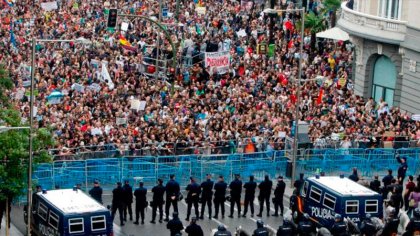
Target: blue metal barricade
x: 107, y: 171
x: 66, y: 174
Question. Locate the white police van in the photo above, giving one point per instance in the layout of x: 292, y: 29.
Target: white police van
x: 68, y: 212
x: 323, y: 196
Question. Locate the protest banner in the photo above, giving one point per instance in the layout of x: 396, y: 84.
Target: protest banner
x: 218, y: 61
x: 49, y: 6
x: 94, y: 87
x: 200, y: 10
x: 121, y: 121
x: 78, y: 87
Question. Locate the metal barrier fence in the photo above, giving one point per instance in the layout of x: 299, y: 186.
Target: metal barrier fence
x: 67, y: 173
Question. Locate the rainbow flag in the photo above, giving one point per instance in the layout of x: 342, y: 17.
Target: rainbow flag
x: 9, y: 2
x: 126, y: 44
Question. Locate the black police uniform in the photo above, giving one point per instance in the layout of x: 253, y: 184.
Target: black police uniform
x: 263, y: 231
x: 96, y: 193
x: 306, y: 228
x: 172, y: 193
x: 206, y: 196
x: 265, y: 192
x: 141, y: 203
x: 402, y: 169
x: 235, y: 194
x: 194, y: 230
x: 391, y: 226
x: 375, y: 185
x: 222, y: 233
x: 175, y: 226
x: 339, y: 229
x: 278, y: 197
x: 219, y: 197
x: 412, y: 227
x: 118, y: 203
x: 128, y: 201
x: 249, y: 196
x: 192, y: 198
x: 158, y: 192
x: 287, y: 229
x: 387, y: 181
x: 367, y: 227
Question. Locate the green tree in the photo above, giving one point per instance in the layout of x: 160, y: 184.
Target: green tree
x: 14, y: 151
x: 331, y: 6
x: 315, y: 23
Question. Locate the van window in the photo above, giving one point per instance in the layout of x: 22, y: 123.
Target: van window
x: 98, y: 223
x: 304, y: 189
x: 352, y: 207
x: 371, y: 206
x: 76, y: 225
x: 53, y: 220
x: 315, y: 194
x: 42, y: 211
x: 329, y: 201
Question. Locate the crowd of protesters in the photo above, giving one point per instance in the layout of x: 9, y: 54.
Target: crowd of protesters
x: 254, y: 99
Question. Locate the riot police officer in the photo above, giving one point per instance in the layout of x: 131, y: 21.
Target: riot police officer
x: 128, y: 200
x: 249, y: 187
x: 413, y: 227
x: 288, y: 228
x: 172, y: 193
x: 206, y: 196
x: 175, y: 225
x: 194, y: 229
x: 118, y: 202
x: 261, y: 230
x: 391, y: 224
x: 96, y: 192
x: 278, y: 196
x: 305, y: 226
x: 219, y: 196
x: 222, y: 231
x: 265, y: 192
x: 235, y: 192
x: 158, y: 192
x: 367, y: 227
x: 192, y: 197
x: 339, y: 227
x: 141, y: 202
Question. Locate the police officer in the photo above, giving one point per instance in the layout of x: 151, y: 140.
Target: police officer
x: 192, y: 197
x: 235, y: 192
x: 222, y: 231
x: 391, y: 224
x: 299, y: 183
x: 175, y: 225
x: 249, y: 187
x: 141, y: 202
x: 413, y: 227
x: 118, y: 202
x: 194, y: 229
x: 305, y: 226
x: 375, y: 184
x: 206, y: 196
x: 288, y: 228
x: 261, y: 230
x: 265, y: 192
x: 278, y: 196
x: 367, y: 227
x: 402, y: 169
x: 339, y: 227
x: 387, y: 181
x: 158, y: 192
x: 172, y: 194
x: 128, y: 200
x: 96, y: 192
x: 219, y: 196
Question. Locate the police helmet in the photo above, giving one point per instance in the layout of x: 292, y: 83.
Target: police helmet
x: 260, y: 223
x: 337, y: 217
x: 368, y: 216
x: 416, y: 212
x: 306, y: 216
x: 392, y: 211
x: 221, y: 227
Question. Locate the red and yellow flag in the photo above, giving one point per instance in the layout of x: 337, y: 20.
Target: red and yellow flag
x: 126, y: 44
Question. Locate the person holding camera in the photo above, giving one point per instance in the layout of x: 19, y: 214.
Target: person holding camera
x: 141, y: 202
x: 193, y: 196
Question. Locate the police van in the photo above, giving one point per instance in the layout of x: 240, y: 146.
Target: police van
x: 323, y: 196
x: 67, y: 212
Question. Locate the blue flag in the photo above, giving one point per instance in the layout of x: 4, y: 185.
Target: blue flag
x: 12, y: 36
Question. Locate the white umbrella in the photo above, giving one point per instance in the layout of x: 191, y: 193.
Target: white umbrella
x: 334, y: 33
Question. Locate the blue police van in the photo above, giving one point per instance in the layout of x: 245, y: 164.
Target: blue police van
x: 323, y: 196
x: 68, y: 212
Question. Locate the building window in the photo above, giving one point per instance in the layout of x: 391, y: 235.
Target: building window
x: 390, y: 9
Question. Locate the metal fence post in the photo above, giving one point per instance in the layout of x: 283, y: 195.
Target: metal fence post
x: 86, y: 175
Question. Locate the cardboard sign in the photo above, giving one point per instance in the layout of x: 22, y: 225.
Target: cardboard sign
x: 78, y: 87
x: 49, y: 6
x: 124, y: 26
x: 121, y: 121
x: 217, y: 61
x: 200, y: 10
x: 94, y: 87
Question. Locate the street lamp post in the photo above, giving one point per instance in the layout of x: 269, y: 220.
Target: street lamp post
x: 295, y: 138
x: 31, y: 118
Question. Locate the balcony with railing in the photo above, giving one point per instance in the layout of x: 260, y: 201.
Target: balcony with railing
x: 371, y: 26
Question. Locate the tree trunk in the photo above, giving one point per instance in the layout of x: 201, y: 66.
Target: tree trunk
x: 333, y: 19
x: 313, y: 41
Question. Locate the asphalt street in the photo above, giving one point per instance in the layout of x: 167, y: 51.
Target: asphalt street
x: 130, y: 229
